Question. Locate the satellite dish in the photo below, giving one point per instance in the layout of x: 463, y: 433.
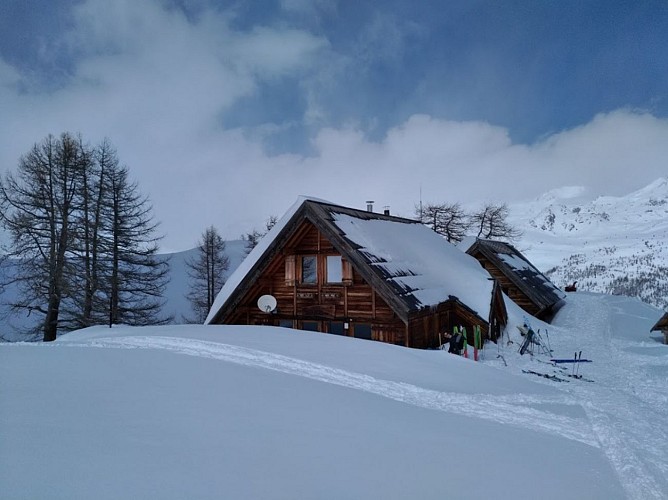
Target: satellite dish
x: 267, y: 303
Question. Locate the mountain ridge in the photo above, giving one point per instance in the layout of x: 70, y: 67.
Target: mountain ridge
x: 609, y: 244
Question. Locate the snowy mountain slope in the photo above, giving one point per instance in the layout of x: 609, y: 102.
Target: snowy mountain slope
x: 261, y: 412
x: 616, y: 245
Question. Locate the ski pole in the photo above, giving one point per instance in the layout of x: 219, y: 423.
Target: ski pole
x: 549, y: 347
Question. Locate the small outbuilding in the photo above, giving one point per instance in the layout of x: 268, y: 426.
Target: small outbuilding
x: 362, y: 274
x: 520, y: 280
x: 662, y: 326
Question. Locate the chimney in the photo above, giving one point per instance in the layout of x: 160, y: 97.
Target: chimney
x: 369, y: 206
x: 386, y: 210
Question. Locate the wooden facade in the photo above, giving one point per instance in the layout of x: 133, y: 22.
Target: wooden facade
x: 322, y: 283
x: 348, y: 306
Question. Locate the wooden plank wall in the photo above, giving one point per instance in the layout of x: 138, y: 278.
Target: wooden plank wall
x: 424, y: 326
x: 353, y: 301
x: 509, y: 288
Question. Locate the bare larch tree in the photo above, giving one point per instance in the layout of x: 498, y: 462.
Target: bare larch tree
x: 207, y: 273
x: 37, y: 207
x: 82, y: 238
x: 447, y: 219
x: 491, y: 222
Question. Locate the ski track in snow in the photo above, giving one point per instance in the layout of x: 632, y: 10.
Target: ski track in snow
x: 631, y: 425
x: 518, y: 410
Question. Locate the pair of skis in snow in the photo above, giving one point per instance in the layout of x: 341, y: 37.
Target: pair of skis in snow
x: 575, y: 372
x: 546, y: 375
x: 577, y: 359
x: 556, y: 377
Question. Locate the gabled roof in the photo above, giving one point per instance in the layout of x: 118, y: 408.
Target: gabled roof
x: 409, y: 265
x: 662, y: 324
x: 522, y: 273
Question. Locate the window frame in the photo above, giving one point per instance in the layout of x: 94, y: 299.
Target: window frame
x: 302, y: 267
x: 338, y: 269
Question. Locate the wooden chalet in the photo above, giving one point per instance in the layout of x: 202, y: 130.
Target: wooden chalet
x: 519, y: 279
x: 352, y: 272
x: 662, y: 326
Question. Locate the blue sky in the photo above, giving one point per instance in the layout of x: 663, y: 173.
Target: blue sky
x: 218, y: 104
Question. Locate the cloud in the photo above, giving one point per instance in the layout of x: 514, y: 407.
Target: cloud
x: 9, y: 77
x: 158, y: 84
x: 273, y: 52
x: 473, y: 162
x: 469, y: 162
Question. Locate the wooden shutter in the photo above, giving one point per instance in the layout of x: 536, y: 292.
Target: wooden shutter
x: 347, y: 272
x: 290, y: 270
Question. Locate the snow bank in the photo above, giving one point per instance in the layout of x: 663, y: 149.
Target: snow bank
x: 260, y: 412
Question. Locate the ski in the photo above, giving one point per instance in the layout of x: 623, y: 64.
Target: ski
x: 546, y: 375
x: 552, y: 364
x: 579, y: 377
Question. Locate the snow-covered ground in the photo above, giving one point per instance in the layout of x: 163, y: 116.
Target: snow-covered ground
x: 259, y: 412
x: 624, y: 391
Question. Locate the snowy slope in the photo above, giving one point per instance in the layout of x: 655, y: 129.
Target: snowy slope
x: 616, y: 245
x: 625, y: 393
x: 261, y: 412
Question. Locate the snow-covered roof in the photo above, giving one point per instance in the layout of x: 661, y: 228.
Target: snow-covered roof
x: 420, y: 265
x: 520, y: 271
x: 415, y: 267
x: 662, y: 324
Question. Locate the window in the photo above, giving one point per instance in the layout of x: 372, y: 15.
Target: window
x: 285, y: 323
x: 362, y: 331
x: 311, y: 326
x: 336, y: 328
x: 309, y: 269
x: 334, y: 269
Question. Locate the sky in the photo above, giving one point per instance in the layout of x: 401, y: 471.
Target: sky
x: 226, y: 111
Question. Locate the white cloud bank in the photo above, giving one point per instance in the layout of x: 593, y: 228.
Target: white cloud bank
x: 158, y: 84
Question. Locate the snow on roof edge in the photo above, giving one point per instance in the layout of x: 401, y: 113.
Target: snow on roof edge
x: 254, y: 256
